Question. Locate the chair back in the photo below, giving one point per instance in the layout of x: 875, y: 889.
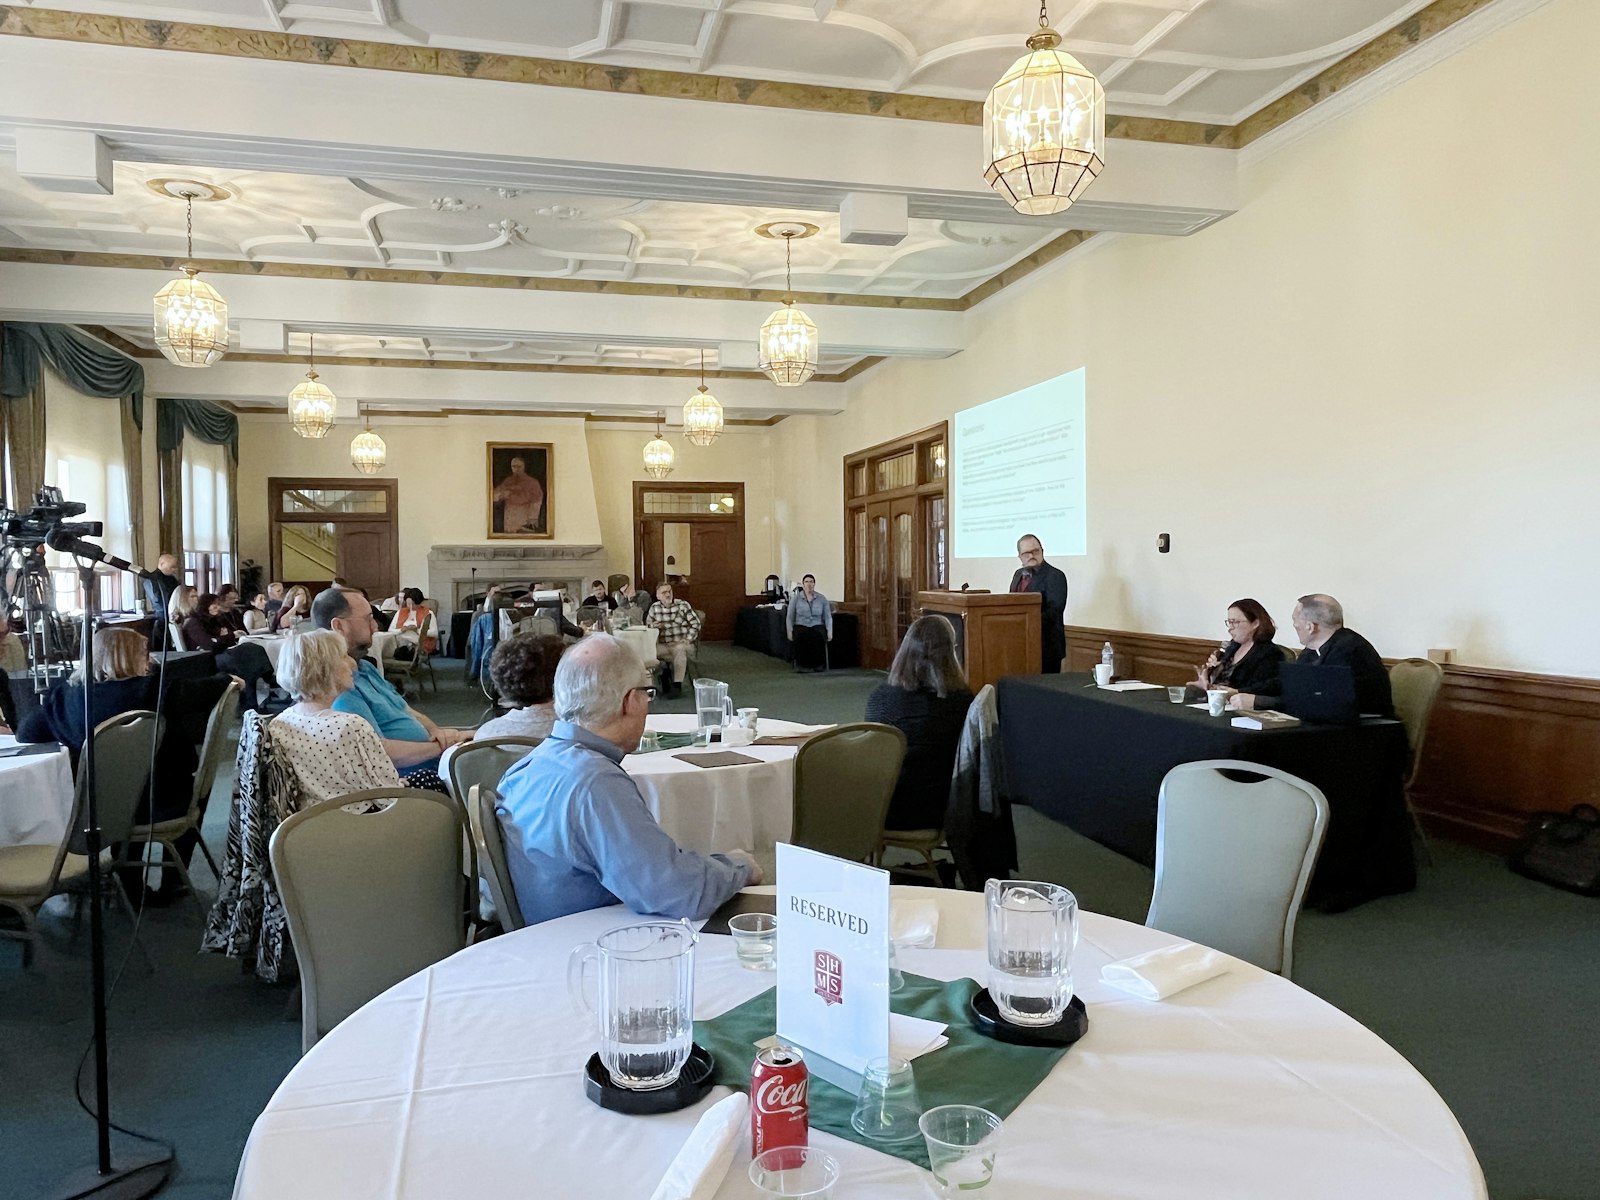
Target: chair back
x: 1288, y: 653
x: 1233, y: 858
x: 615, y: 583
x: 371, y: 887
x: 175, y: 636
x: 124, y: 748
x: 491, y: 842
x: 214, y: 746
x: 1415, y: 684
x: 469, y: 764
x: 843, y: 781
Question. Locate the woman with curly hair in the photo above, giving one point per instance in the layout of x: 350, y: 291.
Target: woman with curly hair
x: 523, y: 671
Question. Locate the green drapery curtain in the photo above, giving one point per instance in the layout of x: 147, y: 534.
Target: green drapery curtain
x: 208, y: 423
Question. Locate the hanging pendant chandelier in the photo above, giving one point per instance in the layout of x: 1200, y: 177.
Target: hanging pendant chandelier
x: 702, y: 415
x: 788, y: 344
x: 658, y: 456
x: 1044, y: 127
x: 311, y: 405
x: 191, y: 319
x: 368, y: 452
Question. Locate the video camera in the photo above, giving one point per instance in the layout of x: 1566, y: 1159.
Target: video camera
x: 49, y: 512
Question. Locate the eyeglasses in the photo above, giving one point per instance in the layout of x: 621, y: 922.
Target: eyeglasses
x: 1026, y: 551
x: 649, y: 692
x: 1232, y: 621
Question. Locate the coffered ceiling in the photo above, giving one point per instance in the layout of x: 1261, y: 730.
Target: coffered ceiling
x: 1207, y: 61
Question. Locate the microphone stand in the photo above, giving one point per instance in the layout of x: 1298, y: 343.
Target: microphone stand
x: 135, y: 1173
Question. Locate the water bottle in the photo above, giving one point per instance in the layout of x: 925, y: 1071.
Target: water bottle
x: 1106, y: 655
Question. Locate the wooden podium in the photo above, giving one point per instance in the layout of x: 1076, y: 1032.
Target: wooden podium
x: 997, y: 633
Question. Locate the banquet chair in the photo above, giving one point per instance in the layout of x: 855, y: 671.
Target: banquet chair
x: 491, y: 843
x: 1288, y: 653
x: 843, y: 781
x: 1415, y: 685
x: 1233, y: 858
x: 467, y: 765
x: 166, y: 833
x: 371, y: 886
x: 30, y: 875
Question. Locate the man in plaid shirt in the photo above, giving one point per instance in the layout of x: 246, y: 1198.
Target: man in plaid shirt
x: 677, y: 626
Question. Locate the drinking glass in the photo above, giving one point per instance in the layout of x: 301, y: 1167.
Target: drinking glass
x: 1217, y: 701
x: 794, y: 1173
x: 887, y: 1106
x: 963, y: 1142
x: 1177, y: 694
x: 755, y: 940
x: 646, y: 1000
x: 749, y: 717
x: 1033, y: 929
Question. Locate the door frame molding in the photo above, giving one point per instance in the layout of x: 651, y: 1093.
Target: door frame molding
x: 277, y: 485
x: 735, y: 518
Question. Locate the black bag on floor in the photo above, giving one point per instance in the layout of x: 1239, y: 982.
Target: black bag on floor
x: 1563, y: 849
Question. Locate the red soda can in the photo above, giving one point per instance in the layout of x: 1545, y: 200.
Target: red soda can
x: 779, y: 1115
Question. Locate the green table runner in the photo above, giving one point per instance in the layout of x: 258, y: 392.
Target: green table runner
x: 668, y: 741
x: 972, y: 1069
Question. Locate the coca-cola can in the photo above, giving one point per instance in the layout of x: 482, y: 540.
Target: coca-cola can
x: 779, y: 1114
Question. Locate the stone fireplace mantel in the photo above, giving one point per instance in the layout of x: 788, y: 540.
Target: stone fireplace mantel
x: 454, y: 572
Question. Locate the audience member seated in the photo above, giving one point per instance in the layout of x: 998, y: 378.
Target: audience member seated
x: 523, y: 671
x: 628, y: 596
x: 414, y: 623
x: 1319, y: 624
x: 925, y: 697
x: 410, y: 739
x: 810, y: 622
x: 677, y: 626
x: 295, y: 609
x: 200, y: 622
x: 392, y: 603
x: 274, y: 599
x: 578, y: 834
x: 598, y: 597
x: 332, y: 753
x: 256, y: 619
x: 1249, y: 662
x: 123, y: 682
x: 229, y: 613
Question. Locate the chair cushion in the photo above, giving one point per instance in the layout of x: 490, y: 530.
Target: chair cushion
x: 25, y: 870
x: 914, y: 839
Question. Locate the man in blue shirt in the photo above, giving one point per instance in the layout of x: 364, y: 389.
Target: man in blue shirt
x: 578, y: 834
x: 413, y: 742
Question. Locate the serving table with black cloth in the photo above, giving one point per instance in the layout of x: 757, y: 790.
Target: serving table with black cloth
x: 1094, y: 759
x: 460, y: 630
x: 759, y: 627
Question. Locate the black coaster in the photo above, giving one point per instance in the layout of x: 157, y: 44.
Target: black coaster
x: 691, y: 1086
x: 986, y: 1019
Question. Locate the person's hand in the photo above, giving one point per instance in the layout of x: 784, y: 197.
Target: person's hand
x: 791, y: 635
x: 744, y: 856
x: 1242, y: 702
x: 237, y: 680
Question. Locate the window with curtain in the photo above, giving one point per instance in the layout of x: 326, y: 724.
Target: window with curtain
x: 83, y: 457
x: 207, y: 515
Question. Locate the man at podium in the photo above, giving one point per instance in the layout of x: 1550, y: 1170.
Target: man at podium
x: 1036, y: 575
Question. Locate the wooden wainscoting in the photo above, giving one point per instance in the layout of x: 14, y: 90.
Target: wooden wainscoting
x: 1501, y: 744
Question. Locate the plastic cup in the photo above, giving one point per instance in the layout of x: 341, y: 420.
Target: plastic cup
x: 1216, y: 701
x: 1102, y: 674
x: 755, y: 940
x: 963, y: 1142
x: 749, y: 718
x: 794, y: 1173
x: 887, y: 1106
x: 1177, y: 694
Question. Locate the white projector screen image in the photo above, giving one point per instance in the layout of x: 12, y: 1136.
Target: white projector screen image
x: 1019, y: 468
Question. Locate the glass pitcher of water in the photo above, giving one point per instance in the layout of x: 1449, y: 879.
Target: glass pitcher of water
x: 712, y: 708
x: 646, y: 1000
x: 1033, y: 929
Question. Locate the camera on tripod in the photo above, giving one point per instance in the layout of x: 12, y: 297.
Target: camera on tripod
x: 49, y: 512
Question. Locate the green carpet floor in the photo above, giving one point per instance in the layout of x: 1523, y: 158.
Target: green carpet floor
x: 1485, y: 981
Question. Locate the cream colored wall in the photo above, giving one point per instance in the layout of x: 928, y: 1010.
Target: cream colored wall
x: 440, y: 465
x: 742, y: 454
x: 1378, y: 379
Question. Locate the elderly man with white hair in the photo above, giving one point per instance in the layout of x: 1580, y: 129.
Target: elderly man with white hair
x: 578, y: 833
x: 1319, y: 624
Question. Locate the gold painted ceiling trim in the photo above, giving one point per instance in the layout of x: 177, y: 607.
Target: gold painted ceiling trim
x: 56, y: 25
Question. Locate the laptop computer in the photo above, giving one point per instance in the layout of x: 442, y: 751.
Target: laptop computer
x: 1319, y: 693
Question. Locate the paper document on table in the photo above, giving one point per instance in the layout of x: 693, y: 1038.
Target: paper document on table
x: 912, y: 1037
x: 1129, y: 685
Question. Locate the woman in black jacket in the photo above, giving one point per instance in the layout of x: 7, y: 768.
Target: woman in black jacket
x: 1249, y: 658
x: 200, y: 620
x: 926, y: 698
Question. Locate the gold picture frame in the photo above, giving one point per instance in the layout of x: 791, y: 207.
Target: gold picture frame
x: 515, y: 509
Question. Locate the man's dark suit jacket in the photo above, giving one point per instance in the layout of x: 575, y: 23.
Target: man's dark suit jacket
x: 1051, y: 584
x: 1347, y: 648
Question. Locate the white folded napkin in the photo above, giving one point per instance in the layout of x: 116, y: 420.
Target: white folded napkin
x: 702, y: 1164
x: 912, y: 1037
x: 1165, y: 972
x: 913, y: 924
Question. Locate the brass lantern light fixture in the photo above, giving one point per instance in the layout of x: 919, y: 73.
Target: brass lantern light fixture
x: 788, y: 342
x: 191, y: 318
x: 1044, y: 127
x: 658, y: 455
x: 702, y: 415
x: 311, y: 405
x: 368, y: 452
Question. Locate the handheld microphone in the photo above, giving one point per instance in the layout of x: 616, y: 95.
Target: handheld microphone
x: 60, y: 539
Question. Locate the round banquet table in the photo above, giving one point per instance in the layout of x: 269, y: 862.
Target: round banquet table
x: 717, y: 809
x: 467, y: 1079
x: 35, y: 796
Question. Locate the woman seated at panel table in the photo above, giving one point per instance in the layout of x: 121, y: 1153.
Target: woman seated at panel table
x: 1249, y: 659
x: 926, y: 697
x: 523, y: 671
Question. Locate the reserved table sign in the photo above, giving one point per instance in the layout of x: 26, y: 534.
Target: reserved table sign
x: 833, y: 962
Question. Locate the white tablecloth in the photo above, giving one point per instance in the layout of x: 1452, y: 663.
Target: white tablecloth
x: 272, y: 643
x: 35, y: 797
x: 466, y: 1080
x: 641, y: 639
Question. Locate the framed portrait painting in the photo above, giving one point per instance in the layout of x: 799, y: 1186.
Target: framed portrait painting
x: 521, y: 479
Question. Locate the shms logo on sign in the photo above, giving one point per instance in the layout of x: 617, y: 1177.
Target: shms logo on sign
x: 829, y: 977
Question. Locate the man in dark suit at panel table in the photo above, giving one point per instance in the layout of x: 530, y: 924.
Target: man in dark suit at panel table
x: 1036, y: 575
x: 1319, y: 624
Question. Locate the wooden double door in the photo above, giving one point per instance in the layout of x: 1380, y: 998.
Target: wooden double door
x: 891, y: 577
x: 680, y: 537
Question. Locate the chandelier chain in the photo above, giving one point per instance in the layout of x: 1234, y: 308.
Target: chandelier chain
x: 1044, y: 17
x: 189, y: 223
x: 788, y: 276
x: 702, y: 368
